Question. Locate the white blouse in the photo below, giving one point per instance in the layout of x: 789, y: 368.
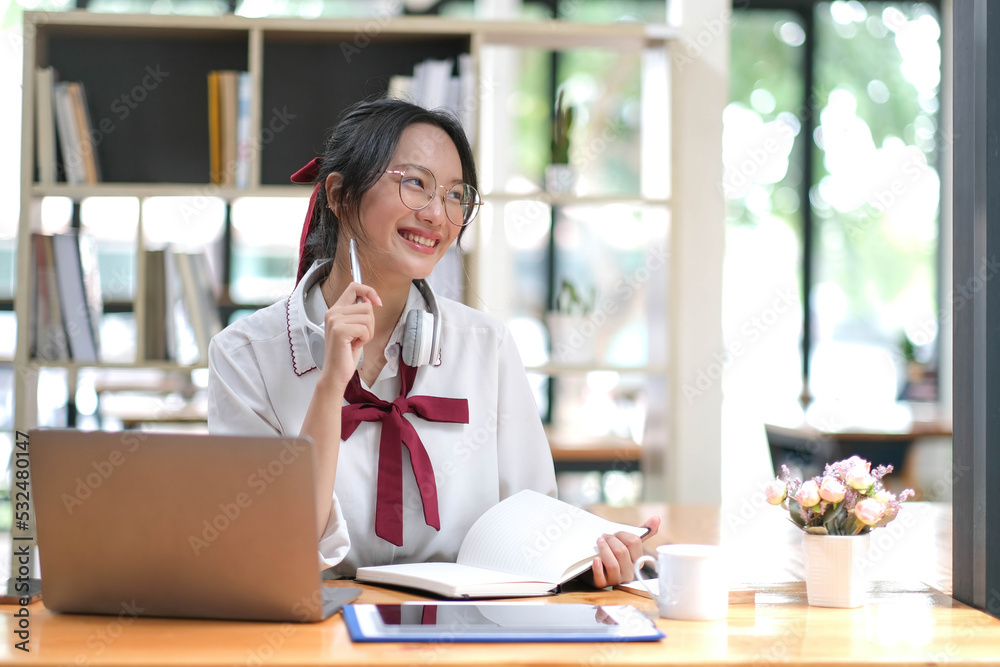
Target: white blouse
x: 261, y: 380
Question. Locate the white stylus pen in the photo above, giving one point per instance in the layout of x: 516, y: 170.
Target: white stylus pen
x: 356, y: 277
x: 355, y: 266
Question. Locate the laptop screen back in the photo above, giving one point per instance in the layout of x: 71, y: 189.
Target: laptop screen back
x: 172, y: 524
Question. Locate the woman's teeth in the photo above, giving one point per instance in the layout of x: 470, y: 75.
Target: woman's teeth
x: 430, y: 243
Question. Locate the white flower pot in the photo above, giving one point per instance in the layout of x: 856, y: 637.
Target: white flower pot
x: 573, y: 339
x: 560, y: 179
x: 836, y: 569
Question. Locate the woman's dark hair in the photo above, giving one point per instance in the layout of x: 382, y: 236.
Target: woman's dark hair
x: 360, y: 149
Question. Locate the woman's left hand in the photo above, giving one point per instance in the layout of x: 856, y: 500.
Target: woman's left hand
x: 617, y: 553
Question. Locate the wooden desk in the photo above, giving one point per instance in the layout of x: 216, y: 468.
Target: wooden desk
x: 905, y: 622
x: 901, y: 625
x: 601, y: 458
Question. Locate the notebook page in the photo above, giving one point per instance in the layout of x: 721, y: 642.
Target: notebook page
x: 457, y: 575
x: 530, y: 534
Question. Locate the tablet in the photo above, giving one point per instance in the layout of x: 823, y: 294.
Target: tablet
x: 493, y: 622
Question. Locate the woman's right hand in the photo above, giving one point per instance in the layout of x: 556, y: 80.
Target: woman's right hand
x: 348, y: 324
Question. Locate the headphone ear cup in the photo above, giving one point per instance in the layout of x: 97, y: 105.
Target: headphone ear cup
x: 418, y: 330
x: 317, y: 345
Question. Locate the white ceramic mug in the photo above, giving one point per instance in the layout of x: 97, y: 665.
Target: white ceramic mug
x: 692, y: 583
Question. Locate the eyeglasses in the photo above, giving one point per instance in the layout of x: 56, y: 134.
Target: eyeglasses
x: 418, y: 185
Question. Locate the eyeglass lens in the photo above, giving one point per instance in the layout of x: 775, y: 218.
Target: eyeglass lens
x: 417, y: 187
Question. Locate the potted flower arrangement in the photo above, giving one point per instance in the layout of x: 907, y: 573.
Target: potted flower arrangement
x: 837, y: 511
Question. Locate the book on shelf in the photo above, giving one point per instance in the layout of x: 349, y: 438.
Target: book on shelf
x: 214, y: 131
x: 88, y: 148
x: 526, y: 545
x: 433, y: 86
x: 154, y: 339
x: 181, y: 312
x: 78, y: 286
x: 229, y: 103
x: 244, y: 145
x: 48, y: 334
x: 199, y: 299
x: 75, y: 133
x: 45, y: 125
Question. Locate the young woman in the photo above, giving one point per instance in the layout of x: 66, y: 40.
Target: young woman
x: 326, y: 362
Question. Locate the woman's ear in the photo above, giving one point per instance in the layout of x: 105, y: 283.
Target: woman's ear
x: 332, y: 186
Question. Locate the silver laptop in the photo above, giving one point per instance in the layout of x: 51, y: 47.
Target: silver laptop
x: 177, y: 524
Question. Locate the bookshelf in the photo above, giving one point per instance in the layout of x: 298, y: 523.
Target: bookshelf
x: 160, y: 150
x: 146, y: 79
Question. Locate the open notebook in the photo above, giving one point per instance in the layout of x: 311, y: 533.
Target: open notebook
x: 527, y: 544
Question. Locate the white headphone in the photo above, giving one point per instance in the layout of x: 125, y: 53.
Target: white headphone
x: 421, y: 331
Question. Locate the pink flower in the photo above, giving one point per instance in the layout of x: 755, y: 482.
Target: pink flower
x: 775, y: 492
x: 831, y: 490
x: 808, y: 494
x: 883, y: 497
x: 859, y: 476
x: 869, y: 511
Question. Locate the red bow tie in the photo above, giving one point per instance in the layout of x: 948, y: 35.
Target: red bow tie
x: 396, y: 432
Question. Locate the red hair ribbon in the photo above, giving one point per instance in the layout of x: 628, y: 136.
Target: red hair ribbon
x: 307, y: 174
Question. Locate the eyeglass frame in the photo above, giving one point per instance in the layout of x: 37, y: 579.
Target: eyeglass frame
x: 476, y: 204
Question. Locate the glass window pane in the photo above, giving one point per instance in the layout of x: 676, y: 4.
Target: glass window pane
x: 876, y: 195
x: 587, y: 406
x: 118, y: 337
x: 646, y: 11
x: 112, y: 222
x: 8, y: 335
x: 8, y: 267
x: 184, y: 222
x: 603, y: 89
x: 762, y: 156
x: 56, y: 214
x: 190, y: 7
x: 265, y: 248
x: 614, y: 258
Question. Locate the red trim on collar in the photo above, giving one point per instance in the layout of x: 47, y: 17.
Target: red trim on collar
x: 291, y: 348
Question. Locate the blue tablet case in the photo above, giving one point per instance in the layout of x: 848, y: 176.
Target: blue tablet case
x: 456, y: 633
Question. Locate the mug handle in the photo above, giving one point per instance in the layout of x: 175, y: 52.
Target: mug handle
x: 639, y: 562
